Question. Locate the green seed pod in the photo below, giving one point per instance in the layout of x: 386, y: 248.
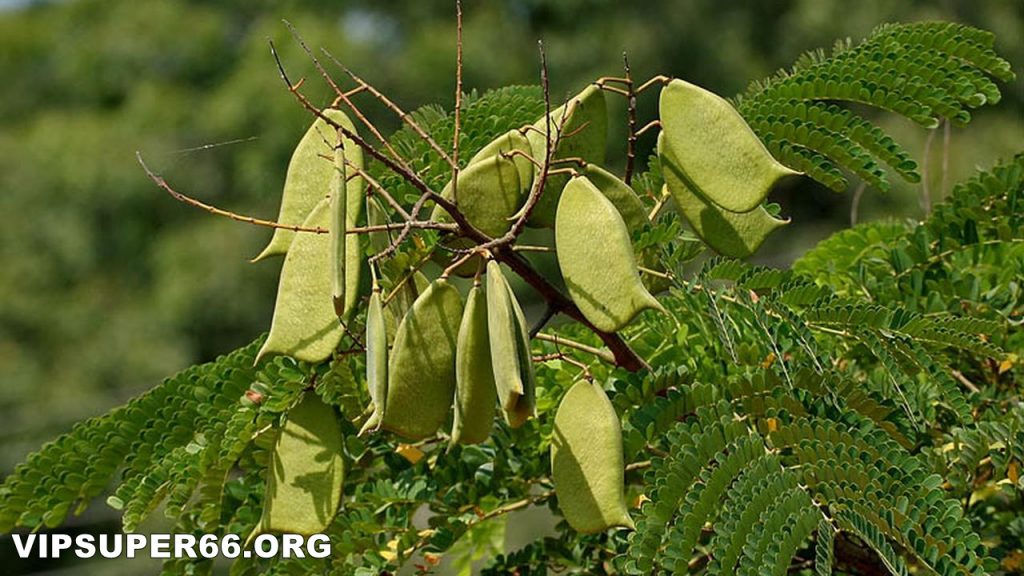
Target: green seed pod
x: 526, y: 407
x: 421, y: 370
x: 586, y: 461
x: 309, y: 177
x: 730, y: 233
x: 306, y: 470
x: 507, y: 143
x: 490, y: 193
x: 444, y: 258
x: 584, y: 135
x: 604, y: 284
x: 339, y: 232
x: 376, y: 356
x: 718, y: 155
x: 475, y: 395
x: 621, y: 195
x: 510, y: 349
x: 305, y: 326
x: 377, y: 216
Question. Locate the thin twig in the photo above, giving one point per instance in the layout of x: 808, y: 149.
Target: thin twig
x: 560, y: 341
x: 946, y: 133
x: 662, y: 200
x: 561, y: 357
x: 657, y: 80
x: 458, y: 101
x: 539, y: 184
x: 346, y: 97
x: 372, y: 182
x: 926, y: 196
x: 395, y: 108
x: 855, y: 202
x: 162, y: 183
x: 406, y: 173
x: 528, y: 248
x: 631, y: 116
x: 649, y: 126
x: 963, y: 380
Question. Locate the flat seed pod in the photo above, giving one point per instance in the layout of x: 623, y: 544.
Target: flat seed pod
x: 490, y: 192
x: 733, y: 234
x: 510, y: 349
x: 596, y: 258
x: 621, y: 195
x: 308, y: 179
x: 377, y: 216
x: 526, y: 405
x: 376, y: 356
x: 585, y: 136
x: 306, y: 471
x: 305, y: 326
x: 475, y: 395
x: 718, y: 154
x: 586, y: 461
x: 505, y: 144
x: 421, y: 370
x: 339, y: 232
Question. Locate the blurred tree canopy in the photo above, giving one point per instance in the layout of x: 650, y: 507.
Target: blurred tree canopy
x: 107, y: 285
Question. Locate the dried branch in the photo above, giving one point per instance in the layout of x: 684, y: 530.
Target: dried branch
x: 623, y: 355
x: 346, y: 97
x: 561, y: 341
x: 395, y: 166
x: 549, y: 147
x: 395, y: 108
x: 458, y: 101
x: 631, y: 116
x: 162, y: 183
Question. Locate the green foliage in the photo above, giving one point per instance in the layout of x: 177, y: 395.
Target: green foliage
x: 867, y: 399
x: 924, y: 71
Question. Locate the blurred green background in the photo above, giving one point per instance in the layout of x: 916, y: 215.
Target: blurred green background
x: 107, y: 285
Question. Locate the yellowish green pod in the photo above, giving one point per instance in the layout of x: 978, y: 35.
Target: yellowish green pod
x: 587, y: 462
x: 735, y: 234
x: 585, y: 136
x: 475, y: 395
x: 718, y: 155
x: 507, y: 143
x: 526, y: 406
x: 510, y: 349
x: 377, y: 216
x: 339, y: 233
x: 490, y: 193
x: 376, y: 358
x: 596, y: 258
x: 421, y: 370
x: 304, y: 478
x: 620, y: 194
x: 308, y: 180
x: 305, y: 325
